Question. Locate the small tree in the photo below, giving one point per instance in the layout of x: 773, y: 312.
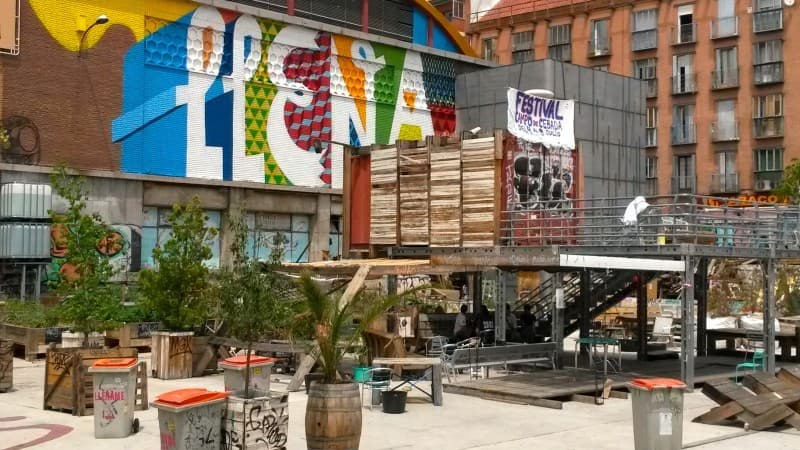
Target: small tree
x: 254, y: 298
x: 176, y: 290
x: 90, y: 302
x: 790, y: 185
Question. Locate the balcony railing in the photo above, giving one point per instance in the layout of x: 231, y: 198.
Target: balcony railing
x: 651, y: 187
x: 774, y: 177
x: 560, y: 52
x: 768, y: 127
x: 644, y: 40
x: 770, y: 20
x: 651, y: 88
x: 684, y: 84
x: 684, y: 135
x: 724, y: 183
x: 724, y: 131
x: 768, y: 73
x: 684, y: 34
x: 684, y: 184
x: 725, y: 79
x: 651, y: 137
x: 599, y: 47
x: 724, y: 27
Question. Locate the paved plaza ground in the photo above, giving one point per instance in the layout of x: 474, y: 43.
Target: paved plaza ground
x: 462, y: 423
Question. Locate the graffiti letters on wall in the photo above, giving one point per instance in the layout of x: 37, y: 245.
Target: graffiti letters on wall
x: 225, y: 96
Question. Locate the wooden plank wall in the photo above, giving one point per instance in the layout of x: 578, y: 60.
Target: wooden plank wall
x: 478, y: 192
x: 383, y: 201
x: 445, y: 193
x: 413, y: 168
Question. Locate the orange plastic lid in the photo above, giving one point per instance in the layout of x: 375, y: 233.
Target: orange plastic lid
x: 241, y: 360
x: 115, y: 363
x: 186, y: 397
x: 655, y: 383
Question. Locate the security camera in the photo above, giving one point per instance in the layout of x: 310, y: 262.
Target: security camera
x: 475, y: 130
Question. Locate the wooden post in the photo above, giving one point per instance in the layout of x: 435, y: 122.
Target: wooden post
x: 586, y: 299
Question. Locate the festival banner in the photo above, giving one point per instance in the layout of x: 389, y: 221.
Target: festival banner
x: 541, y: 120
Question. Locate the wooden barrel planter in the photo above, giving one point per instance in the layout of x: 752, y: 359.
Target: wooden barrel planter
x: 333, y: 417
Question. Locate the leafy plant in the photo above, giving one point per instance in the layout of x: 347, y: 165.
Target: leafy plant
x: 176, y: 291
x: 252, y: 295
x: 28, y: 314
x: 5, y: 139
x: 332, y: 319
x: 790, y: 184
x: 90, y: 301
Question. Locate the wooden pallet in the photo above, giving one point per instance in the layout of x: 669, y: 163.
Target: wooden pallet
x: 768, y: 400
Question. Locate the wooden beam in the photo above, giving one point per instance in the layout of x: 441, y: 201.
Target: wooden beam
x: 305, y: 367
x: 716, y: 415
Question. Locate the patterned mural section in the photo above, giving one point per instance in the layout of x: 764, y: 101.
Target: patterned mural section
x: 218, y: 95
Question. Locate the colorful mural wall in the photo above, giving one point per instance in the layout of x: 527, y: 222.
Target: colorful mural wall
x: 219, y: 95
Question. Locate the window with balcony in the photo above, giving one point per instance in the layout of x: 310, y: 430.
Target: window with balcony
x: 651, y: 127
x: 599, y: 44
x: 725, y: 179
x: 767, y: 168
x: 768, y: 116
x: 559, y: 42
x: 727, y: 23
x: 522, y: 47
x: 645, y: 69
x: 683, y: 175
x: 458, y: 9
x: 489, y: 49
x: 767, y: 15
x: 644, y: 34
x: 683, y: 80
x: 686, y: 31
x: 683, y: 128
x: 725, y: 128
x: 768, y: 62
x: 726, y: 71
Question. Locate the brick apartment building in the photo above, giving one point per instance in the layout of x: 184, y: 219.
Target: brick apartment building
x: 723, y: 78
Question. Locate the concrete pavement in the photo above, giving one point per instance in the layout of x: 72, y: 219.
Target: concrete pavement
x: 462, y: 423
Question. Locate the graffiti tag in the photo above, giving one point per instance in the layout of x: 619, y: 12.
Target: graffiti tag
x: 60, y: 362
x: 53, y: 432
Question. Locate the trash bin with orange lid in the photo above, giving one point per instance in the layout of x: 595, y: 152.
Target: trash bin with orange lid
x: 114, y: 397
x: 190, y: 419
x: 657, y: 413
x: 260, y: 371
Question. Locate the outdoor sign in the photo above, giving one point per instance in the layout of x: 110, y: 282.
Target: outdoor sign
x: 748, y: 200
x: 541, y: 120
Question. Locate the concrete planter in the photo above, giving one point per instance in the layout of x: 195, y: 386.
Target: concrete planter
x: 261, y: 422
x: 6, y: 364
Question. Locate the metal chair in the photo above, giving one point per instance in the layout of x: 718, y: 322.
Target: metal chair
x: 755, y: 364
x: 434, y: 346
x: 377, y: 379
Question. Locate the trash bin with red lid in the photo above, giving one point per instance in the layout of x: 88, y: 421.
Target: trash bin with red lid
x: 190, y: 419
x: 657, y: 413
x: 260, y: 371
x: 114, y: 396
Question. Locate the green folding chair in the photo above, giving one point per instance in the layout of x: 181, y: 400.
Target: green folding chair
x: 756, y: 363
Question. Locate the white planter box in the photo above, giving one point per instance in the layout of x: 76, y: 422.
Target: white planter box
x: 75, y: 340
x: 257, y: 423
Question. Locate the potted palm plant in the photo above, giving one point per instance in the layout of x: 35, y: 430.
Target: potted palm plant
x: 254, y: 305
x: 333, y: 412
x: 176, y: 291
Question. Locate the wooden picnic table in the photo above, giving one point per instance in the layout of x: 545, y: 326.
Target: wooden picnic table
x: 434, y: 364
x: 787, y: 339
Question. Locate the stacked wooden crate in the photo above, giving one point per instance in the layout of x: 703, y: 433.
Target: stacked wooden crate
x: 478, y: 192
x: 445, y: 193
x: 413, y: 169
x: 383, y: 198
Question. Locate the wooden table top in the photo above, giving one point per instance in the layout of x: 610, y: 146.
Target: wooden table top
x: 421, y: 361
x: 745, y: 332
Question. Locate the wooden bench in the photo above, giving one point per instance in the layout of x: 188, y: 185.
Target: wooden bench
x: 502, y: 355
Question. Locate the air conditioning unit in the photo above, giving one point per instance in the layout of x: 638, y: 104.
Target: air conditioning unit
x: 763, y: 185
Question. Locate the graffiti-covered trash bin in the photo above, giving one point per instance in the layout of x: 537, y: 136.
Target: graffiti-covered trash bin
x: 114, y: 397
x: 260, y: 371
x: 190, y: 419
x: 657, y: 413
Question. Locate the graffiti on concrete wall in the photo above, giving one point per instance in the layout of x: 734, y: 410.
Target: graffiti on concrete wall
x: 219, y: 95
x: 537, y: 177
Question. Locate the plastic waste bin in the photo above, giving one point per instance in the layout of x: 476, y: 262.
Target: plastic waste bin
x: 260, y: 371
x: 657, y: 413
x: 190, y: 419
x: 114, y: 397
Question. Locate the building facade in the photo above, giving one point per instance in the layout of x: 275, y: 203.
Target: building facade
x: 722, y: 78
x: 245, y: 107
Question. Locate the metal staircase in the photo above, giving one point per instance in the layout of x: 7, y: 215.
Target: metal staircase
x: 608, y: 289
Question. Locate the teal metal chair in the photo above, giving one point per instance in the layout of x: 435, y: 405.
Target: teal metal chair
x: 377, y: 379
x: 752, y: 366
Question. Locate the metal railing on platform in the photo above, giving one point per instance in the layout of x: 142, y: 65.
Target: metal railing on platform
x: 675, y: 219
